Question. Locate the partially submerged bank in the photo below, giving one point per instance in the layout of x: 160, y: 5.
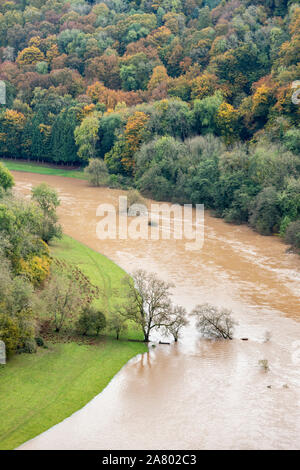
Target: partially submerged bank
x: 39, y: 390
x: 290, y: 235
x: 196, y: 384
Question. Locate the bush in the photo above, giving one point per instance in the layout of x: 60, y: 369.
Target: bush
x: 40, y: 342
x: 91, y: 320
x: 119, y: 181
x: 6, y: 178
x: 292, y: 140
x: 17, y: 332
x: 29, y: 347
x: 97, y: 172
x: 9, y: 333
x: 292, y: 235
x: 285, y: 222
x: 265, y: 213
x: 37, y: 269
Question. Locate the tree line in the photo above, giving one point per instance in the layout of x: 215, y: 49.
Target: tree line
x: 118, y: 81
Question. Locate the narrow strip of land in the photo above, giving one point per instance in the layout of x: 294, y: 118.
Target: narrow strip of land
x: 43, y: 169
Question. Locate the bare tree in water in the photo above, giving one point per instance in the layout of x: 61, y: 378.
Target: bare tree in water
x: 147, y: 301
x: 177, y: 320
x: 214, y: 322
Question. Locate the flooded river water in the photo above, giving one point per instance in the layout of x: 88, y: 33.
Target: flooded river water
x: 196, y: 394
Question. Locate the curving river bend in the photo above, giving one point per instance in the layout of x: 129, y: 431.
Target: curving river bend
x: 197, y: 394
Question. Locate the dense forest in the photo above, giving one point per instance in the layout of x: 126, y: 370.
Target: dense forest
x: 186, y: 100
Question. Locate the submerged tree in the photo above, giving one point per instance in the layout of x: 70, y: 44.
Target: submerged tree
x: 97, y: 172
x: 177, y: 321
x: 214, y: 322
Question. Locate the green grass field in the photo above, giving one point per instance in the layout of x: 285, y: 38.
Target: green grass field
x: 40, y: 390
x: 101, y: 271
x: 15, y: 165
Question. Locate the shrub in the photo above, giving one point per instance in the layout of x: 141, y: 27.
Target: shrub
x: 40, y: 342
x: 6, y: 178
x: 9, y: 332
x: 91, y: 320
x: 29, y: 347
x: 37, y: 269
x: 285, y: 222
x: 265, y: 213
x: 16, y: 336
x: 292, y: 235
x: 292, y: 140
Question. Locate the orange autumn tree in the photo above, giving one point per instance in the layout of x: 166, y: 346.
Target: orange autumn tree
x: 135, y: 133
x: 120, y: 159
x: 159, y: 37
x: 101, y: 94
x: 228, y: 122
x: 159, y: 75
x: 135, y: 130
x: 203, y: 86
x: 262, y: 100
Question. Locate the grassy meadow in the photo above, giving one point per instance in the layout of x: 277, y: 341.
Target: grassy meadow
x: 39, y: 390
x: 43, y: 169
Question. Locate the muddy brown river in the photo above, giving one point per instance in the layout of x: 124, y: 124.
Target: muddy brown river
x: 196, y: 394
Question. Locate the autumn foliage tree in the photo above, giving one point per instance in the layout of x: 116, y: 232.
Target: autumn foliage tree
x: 30, y: 56
x: 12, y: 124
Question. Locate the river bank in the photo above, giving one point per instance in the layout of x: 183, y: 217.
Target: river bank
x: 201, y: 394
